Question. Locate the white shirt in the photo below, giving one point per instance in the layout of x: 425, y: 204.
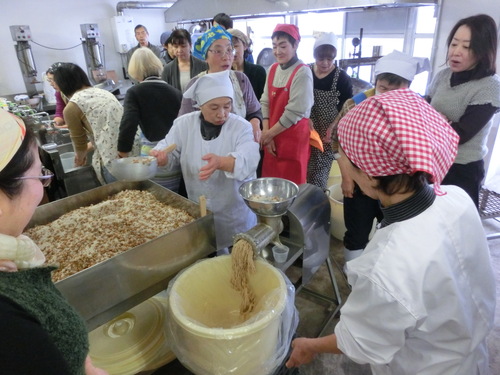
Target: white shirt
x: 423, y: 294
x: 231, y: 214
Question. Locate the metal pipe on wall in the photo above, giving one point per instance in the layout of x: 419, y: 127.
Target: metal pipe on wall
x: 120, y: 6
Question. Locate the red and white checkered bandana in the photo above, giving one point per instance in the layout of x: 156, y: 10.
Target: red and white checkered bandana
x: 398, y: 132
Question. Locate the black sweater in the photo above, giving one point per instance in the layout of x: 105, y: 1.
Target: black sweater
x: 153, y: 105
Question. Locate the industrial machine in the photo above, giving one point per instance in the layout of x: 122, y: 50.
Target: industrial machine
x: 21, y: 34
x: 93, y: 51
x: 298, y: 217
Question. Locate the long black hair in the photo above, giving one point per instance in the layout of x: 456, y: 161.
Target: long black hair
x: 483, y: 43
x: 70, y: 78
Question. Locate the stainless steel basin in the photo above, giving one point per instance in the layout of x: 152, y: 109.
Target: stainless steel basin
x: 112, y: 287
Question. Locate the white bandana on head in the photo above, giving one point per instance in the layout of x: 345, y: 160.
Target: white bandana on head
x: 403, y: 65
x: 210, y: 86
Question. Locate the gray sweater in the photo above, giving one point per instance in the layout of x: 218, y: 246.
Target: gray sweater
x: 453, y: 101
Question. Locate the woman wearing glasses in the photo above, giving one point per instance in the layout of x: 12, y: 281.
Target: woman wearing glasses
x: 215, y: 46
x: 41, y: 333
x: 286, y: 105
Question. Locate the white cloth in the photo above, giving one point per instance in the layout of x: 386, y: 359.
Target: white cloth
x: 326, y: 39
x: 423, y: 294
x: 231, y: 214
x: 401, y: 64
x: 210, y: 86
x: 21, y: 250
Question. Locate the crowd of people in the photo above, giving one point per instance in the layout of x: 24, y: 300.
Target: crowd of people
x: 413, y: 165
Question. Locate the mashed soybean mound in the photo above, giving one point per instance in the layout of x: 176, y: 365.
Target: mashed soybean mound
x: 90, y: 235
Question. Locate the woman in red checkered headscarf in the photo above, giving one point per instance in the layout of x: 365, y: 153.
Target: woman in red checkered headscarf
x: 423, y: 291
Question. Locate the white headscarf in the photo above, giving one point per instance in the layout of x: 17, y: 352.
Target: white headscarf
x: 326, y: 39
x: 403, y: 65
x: 12, y: 130
x: 210, y: 86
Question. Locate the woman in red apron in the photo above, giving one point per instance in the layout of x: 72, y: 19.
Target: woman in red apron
x: 286, y: 105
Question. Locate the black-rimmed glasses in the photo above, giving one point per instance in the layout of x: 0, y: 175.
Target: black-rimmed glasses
x: 45, y: 178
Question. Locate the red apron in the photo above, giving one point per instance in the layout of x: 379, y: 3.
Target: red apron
x: 292, y: 145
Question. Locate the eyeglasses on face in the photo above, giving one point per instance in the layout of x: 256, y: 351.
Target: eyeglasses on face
x: 223, y: 52
x: 45, y: 178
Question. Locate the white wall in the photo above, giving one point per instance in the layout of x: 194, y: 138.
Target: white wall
x: 56, y: 24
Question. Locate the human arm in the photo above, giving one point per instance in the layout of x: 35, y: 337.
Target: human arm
x: 187, y: 104
x: 301, y: 98
x: 216, y: 162
x: 473, y: 120
x: 78, y: 129
x: 129, y: 122
x: 305, y: 349
x: 344, y: 86
x: 58, y: 115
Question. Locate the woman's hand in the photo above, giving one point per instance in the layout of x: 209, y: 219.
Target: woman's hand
x: 161, y: 157
x: 271, y: 148
x: 7, y: 266
x: 90, y: 369
x: 256, y: 129
x: 347, y: 186
x: 80, y: 158
x: 266, y: 137
x: 213, y: 163
x: 302, y: 352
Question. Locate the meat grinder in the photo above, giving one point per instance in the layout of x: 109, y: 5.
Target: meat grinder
x: 296, y: 216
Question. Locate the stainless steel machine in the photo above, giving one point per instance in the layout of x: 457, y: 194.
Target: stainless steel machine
x: 93, y: 51
x: 21, y: 34
x: 298, y: 217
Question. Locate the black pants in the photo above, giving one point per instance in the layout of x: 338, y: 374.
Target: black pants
x: 359, y: 212
x: 467, y: 176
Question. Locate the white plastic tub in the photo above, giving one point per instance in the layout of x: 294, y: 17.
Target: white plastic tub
x: 68, y: 161
x: 337, y: 225
x: 209, y: 336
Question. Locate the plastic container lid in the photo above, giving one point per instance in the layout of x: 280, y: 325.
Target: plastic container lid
x: 133, y: 342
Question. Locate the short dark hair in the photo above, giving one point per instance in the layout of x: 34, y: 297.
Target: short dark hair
x: 180, y: 36
x: 392, y: 79
x: 70, y: 78
x: 22, y: 161
x: 483, y: 43
x: 139, y: 26
x: 403, y: 183
x: 224, y: 20
x: 325, y: 51
x: 282, y: 34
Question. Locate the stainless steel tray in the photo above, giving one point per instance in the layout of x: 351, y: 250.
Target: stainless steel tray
x: 109, y: 288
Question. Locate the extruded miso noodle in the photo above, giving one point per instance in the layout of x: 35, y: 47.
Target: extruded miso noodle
x: 243, y: 266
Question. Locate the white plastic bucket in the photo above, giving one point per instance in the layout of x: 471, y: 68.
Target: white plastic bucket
x: 335, y: 177
x: 337, y: 225
x: 205, y: 313
x: 68, y: 160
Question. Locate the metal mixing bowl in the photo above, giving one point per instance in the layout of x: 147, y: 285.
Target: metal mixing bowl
x: 269, y: 196
x: 137, y: 168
